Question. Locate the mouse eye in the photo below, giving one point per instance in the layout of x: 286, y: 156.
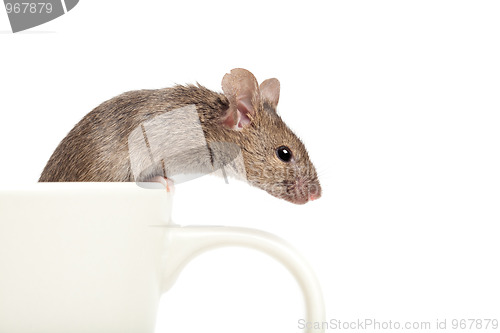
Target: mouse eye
x: 284, y: 153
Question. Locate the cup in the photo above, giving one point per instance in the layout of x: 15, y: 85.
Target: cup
x: 96, y: 257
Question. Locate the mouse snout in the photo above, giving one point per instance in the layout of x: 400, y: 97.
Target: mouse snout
x: 307, y: 190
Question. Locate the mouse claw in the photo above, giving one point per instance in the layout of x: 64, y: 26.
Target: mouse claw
x: 168, y: 183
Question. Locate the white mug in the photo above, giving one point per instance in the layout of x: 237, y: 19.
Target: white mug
x: 96, y: 257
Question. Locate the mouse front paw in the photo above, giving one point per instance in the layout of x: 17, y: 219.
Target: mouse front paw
x: 167, y: 182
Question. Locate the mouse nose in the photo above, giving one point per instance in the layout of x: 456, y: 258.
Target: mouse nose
x: 314, y: 191
x: 314, y: 196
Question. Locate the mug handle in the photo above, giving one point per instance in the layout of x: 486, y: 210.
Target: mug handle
x: 187, y: 242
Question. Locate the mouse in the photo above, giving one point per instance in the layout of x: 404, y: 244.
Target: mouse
x: 188, y: 125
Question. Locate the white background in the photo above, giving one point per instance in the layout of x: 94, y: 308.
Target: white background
x: 397, y: 101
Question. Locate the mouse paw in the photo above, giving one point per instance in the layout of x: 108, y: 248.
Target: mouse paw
x: 168, y: 183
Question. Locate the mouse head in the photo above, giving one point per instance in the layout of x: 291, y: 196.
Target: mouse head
x: 275, y: 158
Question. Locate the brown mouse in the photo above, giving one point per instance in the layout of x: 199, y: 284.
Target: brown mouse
x: 103, y: 146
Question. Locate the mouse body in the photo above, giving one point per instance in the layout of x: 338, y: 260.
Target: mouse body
x: 100, y: 147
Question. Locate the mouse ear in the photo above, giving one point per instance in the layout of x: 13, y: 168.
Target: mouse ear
x: 242, y: 91
x: 270, y: 91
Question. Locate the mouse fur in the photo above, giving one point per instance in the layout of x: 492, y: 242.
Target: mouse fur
x: 97, y: 148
